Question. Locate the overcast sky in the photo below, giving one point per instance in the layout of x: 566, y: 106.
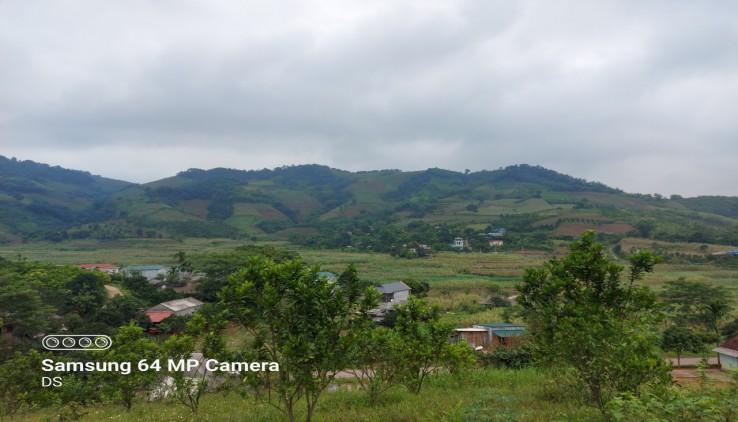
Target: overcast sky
x: 640, y: 95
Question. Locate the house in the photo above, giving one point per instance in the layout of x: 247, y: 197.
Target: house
x: 728, y: 353
x: 501, y: 334
x: 458, y: 243
x: 151, y: 272
x: 108, y: 268
x: 393, y: 294
x: 162, y: 311
x: 496, y: 242
x: 475, y: 337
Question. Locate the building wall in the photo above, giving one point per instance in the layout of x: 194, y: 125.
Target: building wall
x: 474, y: 339
x: 401, y: 296
x: 728, y: 362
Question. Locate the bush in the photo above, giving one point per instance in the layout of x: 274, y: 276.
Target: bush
x: 506, y: 357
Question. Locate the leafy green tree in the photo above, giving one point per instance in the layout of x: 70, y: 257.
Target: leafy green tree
x: 183, y: 263
x: 129, y: 345
x: 299, y: 320
x: 689, y: 301
x: 174, y: 323
x: 20, y: 382
x: 419, y: 289
x: 188, y: 388
x: 22, y: 308
x: 424, y: 338
x: 377, y: 362
x: 88, y: 292
x: 120, y: 310
x: 680, y: 339
x: 730, y: 329
x: 716, y: 311
x: 583, y: 316
x: 349, y: 278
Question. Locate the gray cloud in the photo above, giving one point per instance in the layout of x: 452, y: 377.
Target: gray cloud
x: 636, y: 95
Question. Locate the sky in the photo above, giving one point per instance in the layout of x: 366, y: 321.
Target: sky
x: 639, y: 95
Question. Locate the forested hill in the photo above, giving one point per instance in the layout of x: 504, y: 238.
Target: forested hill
x: 37, y: 197
x: 324, y: 207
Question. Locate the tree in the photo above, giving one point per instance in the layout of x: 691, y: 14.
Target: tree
x: 120, y: 310
x: 716, y: 311
x: 680, y: 339
x: 583, y: 316
x: 88, y: 292
x: 20, y: 382
x: 377, y: 362
x: 691, y: 301
x: 188, y: 388
x: 129, y: 345
x: 300, y: 320
x: 424, y: 338
x: 418, y: 289
x: 23, y: 309
x: 730, y: 329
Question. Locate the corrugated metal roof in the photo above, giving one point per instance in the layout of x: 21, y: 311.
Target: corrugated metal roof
x: 395, y: 287
x: 176, y: 305
x: 502, y: 325
x: 508, y: 333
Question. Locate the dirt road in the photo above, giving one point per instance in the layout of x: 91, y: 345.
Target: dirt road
x: 113, y: 291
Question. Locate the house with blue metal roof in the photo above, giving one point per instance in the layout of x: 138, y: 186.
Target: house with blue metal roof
x: 501, y: 334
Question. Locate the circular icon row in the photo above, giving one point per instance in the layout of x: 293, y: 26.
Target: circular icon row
x: 76, y: 342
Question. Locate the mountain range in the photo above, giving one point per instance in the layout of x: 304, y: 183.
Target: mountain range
x: 41, y: 202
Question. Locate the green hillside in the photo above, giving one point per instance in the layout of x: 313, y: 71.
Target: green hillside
x: 318, y: 206
x: 38, y: 200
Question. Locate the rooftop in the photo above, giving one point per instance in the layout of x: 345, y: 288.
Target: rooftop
x: 176, y: 305
x: 397, y: 286
x: 503, y: 326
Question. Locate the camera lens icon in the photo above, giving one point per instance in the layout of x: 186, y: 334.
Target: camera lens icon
x: 76, y: 342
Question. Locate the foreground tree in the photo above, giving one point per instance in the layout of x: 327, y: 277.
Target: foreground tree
x: 189, y: 387
x: 376, y: 363
x: 583, y: 316
x: 129, y: 345
x: 300, y: 320
x: 425, y: 340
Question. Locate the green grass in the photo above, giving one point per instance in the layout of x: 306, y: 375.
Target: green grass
x: 483, y: 395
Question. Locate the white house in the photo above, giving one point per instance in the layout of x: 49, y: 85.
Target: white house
x: 393, y: 294
x: 728, y: 353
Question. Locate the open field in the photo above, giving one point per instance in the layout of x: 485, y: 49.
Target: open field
x: 454, y: 277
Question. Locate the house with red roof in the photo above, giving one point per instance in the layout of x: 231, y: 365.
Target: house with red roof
x: 164, y: 310
x: 728, y: 353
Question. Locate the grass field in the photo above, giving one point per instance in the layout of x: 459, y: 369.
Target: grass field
x: 484, y: 395
x: 453, y: 277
